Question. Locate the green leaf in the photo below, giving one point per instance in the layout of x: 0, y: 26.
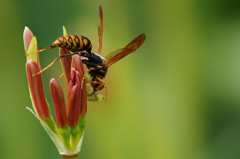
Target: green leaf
x: 32, y: 50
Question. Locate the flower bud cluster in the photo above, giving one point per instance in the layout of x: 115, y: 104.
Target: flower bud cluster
x: 67, y: 132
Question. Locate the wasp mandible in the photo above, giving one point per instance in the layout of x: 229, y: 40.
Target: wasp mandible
x: 96, y: 64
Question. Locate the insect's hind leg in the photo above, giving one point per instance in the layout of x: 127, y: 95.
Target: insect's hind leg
x: 50, y: 47
x: 41, y: 71
x: 64, y: 55
x: 100, y: 86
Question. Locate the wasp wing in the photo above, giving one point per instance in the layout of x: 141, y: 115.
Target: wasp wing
x: 111, y: 54
x: 100, y: 29
x: 129, y: 48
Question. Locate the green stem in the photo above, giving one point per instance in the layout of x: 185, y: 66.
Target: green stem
x: 70, y: 157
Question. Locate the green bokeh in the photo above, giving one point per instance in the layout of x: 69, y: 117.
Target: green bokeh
x: 177, y: 97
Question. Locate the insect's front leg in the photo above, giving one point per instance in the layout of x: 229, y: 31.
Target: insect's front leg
x: 99, y: 84
x: 90, y: 66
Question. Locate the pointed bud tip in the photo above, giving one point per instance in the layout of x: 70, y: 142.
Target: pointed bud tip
x: 52, y: 80
x: 27, y: 33
x: 27, y: 37
x: 26, y: 28
x: 64, y: 31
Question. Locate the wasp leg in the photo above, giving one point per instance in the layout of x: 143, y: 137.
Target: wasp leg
x: 85, y: 75
x: 60, y: 77
x: 50, y: 47
x: 94, y: 67
x: 101, y: 85
x: 65, y: 55
x: 106, y: 92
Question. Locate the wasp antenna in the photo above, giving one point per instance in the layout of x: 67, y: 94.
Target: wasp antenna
x: 100, y: 29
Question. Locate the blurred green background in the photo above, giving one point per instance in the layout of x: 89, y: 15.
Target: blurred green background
x: 177, y: 97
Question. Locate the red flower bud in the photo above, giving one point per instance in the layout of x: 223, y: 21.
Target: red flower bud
x: 59, y: 103
x: 30, y: 50
x: 77, y: 95
x: 66, y: 64
x: 74, y: 99
x: 36, y: 89
x: 27, y: 37
x: 78, y: 65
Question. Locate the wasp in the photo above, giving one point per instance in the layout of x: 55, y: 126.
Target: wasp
x: 73, y: 43
x: 96, y: 64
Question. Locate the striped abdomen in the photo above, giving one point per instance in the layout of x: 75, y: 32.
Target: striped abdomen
x: 74, y: 43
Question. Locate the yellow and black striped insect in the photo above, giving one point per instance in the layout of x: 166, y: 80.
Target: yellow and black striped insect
x: 96, y: 64
x: 73, y: 43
